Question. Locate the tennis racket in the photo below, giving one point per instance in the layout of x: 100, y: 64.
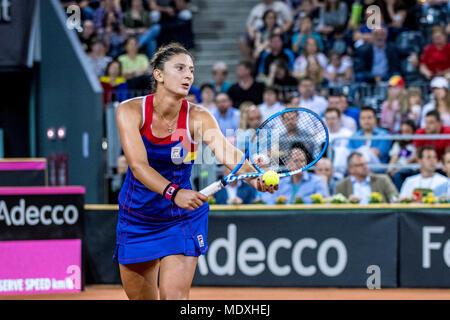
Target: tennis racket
x: 288, y: 142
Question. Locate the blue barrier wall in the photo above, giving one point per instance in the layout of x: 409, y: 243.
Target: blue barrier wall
x: 303, y: 246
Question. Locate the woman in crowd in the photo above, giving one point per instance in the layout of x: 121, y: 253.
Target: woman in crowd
x: 311, y: 50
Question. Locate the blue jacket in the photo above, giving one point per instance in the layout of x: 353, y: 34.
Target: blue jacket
x: 383, y: 145
x: 245, y: 191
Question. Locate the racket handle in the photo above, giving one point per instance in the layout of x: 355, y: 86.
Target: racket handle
x: 212, y: 188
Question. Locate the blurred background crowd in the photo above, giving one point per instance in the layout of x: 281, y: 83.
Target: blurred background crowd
x: 369, y: 68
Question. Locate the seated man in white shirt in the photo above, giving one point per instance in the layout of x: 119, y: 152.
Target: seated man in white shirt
x: 427, y: 178
x: 444, y: 189
x: 308, y: 98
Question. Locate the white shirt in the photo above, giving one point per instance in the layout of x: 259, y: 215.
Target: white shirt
x: 341, y: 133
x: 317, y: 104
x: 349, y: 123
x: 362, y: 190
x: 417, y: 181
x: 267, y: 111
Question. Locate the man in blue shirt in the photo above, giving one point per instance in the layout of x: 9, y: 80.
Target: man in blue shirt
x: 375, y: 150
x: 227, y: 117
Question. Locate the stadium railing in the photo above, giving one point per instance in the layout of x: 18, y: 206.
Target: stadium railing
x: 392, y: 137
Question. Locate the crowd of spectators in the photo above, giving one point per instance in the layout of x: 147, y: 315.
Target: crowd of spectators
x: 128, y: 33
x: 314, y: 54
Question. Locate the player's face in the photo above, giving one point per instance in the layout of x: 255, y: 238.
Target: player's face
x: 178, y: 74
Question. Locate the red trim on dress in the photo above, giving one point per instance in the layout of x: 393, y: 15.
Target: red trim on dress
x: 180, y: 133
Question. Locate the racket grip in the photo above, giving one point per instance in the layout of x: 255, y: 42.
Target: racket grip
x: 212, y: 188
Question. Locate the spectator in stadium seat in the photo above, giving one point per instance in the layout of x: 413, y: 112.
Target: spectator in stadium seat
x: 311, y: 50
x: 361, y: 182
x: 133, y: 63
x: 444, y: 188
x: 306, y: 31
x: 280, y: 78
x: 246, y: 88
x: 347, y: 110
x: 115, y: 87
x: 433, y: 125
x: 324, y: 168
x: 208, y: 96
x: 341, y: 41
x: 339, y: 70
x: 317, y: 74
x: 394, y: 17
x: 311, y: 9
x: 176, y: 21
x: 88, y: 35
x: 375, y: 151
x: 435, y: 59
x: 332, y: 14
x: 274, y: 52
x: 402, y: 151
x: 413, y: 105
x: 303, y: 184
x: 251, y: 119
x: 236, y: 192
x: 114, y: 35
x: 100, y: 14
x: 263, y: 33
x: 336, y: 100
x: 339, y: 148
x: 98, y: 59
x: 440, y: 101
x: 427, y: 178
x: 255, y: 21
x: 391, y: 116
x: 271, y: 105
x: 138, y: 24
x: 220, y: 73
x: 309, y: 99
x: 226, y: 116
x: 378, y: 61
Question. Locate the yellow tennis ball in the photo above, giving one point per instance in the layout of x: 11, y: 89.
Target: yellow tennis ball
x: 271, y: 178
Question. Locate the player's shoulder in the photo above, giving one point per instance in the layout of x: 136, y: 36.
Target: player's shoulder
x: 130, y: 110
x: 134, y: 104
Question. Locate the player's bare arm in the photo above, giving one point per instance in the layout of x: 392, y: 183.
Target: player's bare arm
x: 205, y: 127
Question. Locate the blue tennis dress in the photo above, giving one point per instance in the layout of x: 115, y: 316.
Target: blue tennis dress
x: 149, y: 226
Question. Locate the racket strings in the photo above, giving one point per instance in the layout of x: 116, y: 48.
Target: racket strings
x: 289, y: 142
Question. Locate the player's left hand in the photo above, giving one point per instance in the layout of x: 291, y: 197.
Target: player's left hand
x: 259, y: 185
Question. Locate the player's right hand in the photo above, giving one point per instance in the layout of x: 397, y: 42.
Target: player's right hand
x: 189, y: 199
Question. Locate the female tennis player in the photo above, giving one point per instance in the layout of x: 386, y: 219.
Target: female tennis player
x: 163, y: 223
